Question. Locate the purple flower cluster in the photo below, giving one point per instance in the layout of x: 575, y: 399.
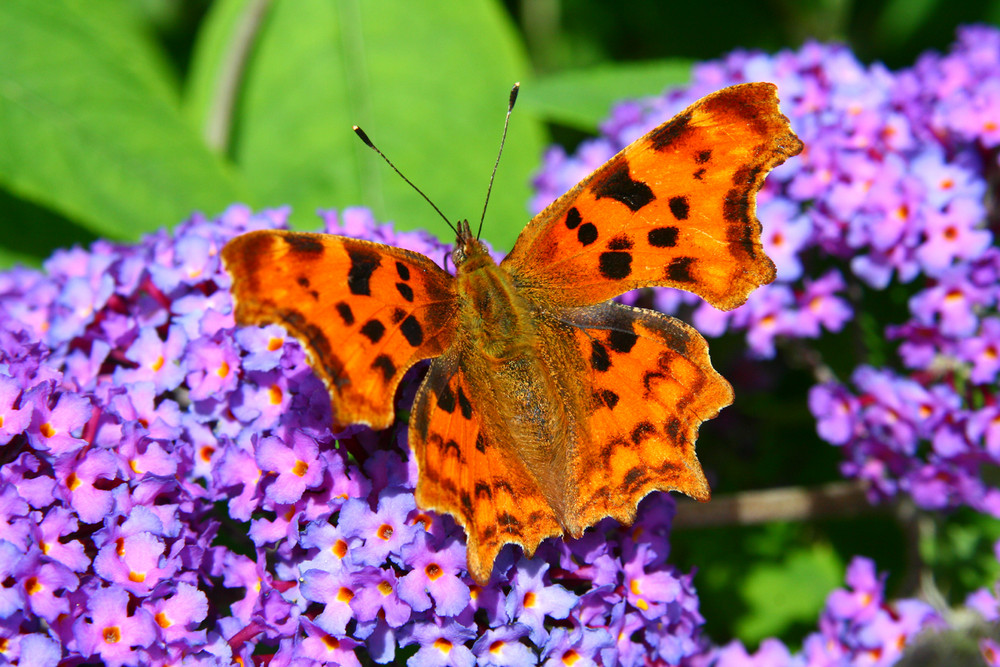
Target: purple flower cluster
x: 171, y: 492
x: 857, y: 627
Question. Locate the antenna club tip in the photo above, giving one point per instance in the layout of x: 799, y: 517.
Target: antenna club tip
x: 513, y: 95
x: 361, y: 135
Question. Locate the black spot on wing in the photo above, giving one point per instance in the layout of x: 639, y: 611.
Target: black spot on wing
x: 599, y: 359
x: 403, y: 271
x: 446, y: 399
x: 703, y: 156
x: 373, y: 330
x: 363, y: 265
x: 649, y: 377
x: 662, y: 137
x: 586, y: 234
x: 635, y: 476
x: 672, y: 428
x: 662, y: 237
x: 500, y: 485
x: 483, y: 491
x: 345, y: 312
x: 405, y: 291
x: 615, y: 265
x: 608, y: 398
x: 466, y: 502
x: 642, y: 431
x: 451, y: 448
x: 463, y: 404
x: 302, y: 281
x: 302, y: 243
x: 480, y: 443
x: 508, y: 523
x: 622, y: 341
x: 573, y: 218
x: 412, y: 331
x: 384, y: 363
x: 620, y: 242
x: 680, y: 207
x: 618, y: 185
x: 698, y: 175
x: 736, y: 205
x: 679, y: 269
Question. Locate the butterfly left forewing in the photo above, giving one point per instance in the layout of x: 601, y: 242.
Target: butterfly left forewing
x: 365, y: 312
x: 675, y: 208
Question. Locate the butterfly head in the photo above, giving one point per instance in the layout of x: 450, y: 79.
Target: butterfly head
x: 469, y: 251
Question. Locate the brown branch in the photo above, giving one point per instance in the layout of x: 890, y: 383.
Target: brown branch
x: 837, y: 499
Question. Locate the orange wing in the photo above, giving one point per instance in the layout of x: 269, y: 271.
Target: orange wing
x: 365, y: 312
x: 479, y: 480
x: 651, y: 385
x: 674, y: 208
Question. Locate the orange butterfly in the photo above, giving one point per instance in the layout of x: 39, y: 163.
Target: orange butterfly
x: 547, y: 406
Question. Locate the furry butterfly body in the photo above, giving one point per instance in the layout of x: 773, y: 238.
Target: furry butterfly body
x: 546, y: 407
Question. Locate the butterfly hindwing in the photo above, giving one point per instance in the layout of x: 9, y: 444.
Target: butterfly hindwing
x: 675, y: 208
x: 365, y: 312
x: 469, y: 472
x: 651, y: 385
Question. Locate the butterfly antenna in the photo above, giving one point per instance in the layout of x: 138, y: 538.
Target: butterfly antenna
x: 368, y: 142
x: 510, y: 107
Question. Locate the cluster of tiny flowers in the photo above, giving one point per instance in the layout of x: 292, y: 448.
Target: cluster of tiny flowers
x: 891, y: 188
x: 171, y: 493
x: 857, y: 627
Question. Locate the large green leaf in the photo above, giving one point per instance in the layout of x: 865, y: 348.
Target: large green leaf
x: 788, y: 591
x: 89, y: 121
x: 583, y: 98
x: 429, y: 84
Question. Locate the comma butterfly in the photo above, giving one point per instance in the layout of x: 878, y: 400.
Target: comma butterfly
x: 547, y: 407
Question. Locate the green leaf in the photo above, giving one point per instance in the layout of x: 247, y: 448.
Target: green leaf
x: 89, y: 122
x: 429, y: 86
x: 583, y: 98
x: 781, y: 593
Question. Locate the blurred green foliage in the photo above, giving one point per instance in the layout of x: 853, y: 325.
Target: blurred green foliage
x: 118, y: 117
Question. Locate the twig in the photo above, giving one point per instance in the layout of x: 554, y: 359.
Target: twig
x: 788, y: 504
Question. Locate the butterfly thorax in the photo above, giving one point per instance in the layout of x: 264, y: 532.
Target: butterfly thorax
x: 490, y: 309
x: 510, y: 367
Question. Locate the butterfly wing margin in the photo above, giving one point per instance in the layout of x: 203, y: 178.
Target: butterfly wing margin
x: 466, y: 471
x: 365, y: 312
x: 651, y: 385
x: 675, y: 208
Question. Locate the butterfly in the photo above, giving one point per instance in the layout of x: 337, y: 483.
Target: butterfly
x: 546, y: 406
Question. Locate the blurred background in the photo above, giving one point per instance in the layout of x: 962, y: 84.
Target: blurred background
x: 120, y: 117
